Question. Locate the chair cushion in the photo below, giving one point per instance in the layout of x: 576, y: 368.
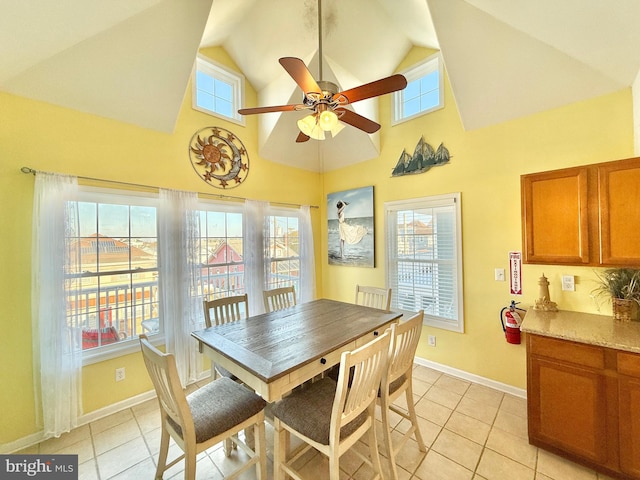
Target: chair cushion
x: 396, y: 384
x: 219, y: 406
x: 308, y: 411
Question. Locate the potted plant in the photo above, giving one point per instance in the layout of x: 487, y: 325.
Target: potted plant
x: 622, y: 286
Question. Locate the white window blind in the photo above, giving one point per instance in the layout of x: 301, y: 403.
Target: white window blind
x: 424, y: 258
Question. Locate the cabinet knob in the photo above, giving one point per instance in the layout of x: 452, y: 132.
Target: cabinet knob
x: 375, y: 333
x: 323, y: 361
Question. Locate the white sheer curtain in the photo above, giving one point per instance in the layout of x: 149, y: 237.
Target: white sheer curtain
x: 57, y: 352
x: 307, y: 257
x: 254, y: 251
x: 178, y: 260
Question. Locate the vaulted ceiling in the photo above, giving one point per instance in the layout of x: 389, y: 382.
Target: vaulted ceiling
x: 131, y: 61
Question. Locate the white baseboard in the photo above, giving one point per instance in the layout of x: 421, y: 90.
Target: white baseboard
x: 116, y: 407
x: 487, y: 382
x: 35, y: 438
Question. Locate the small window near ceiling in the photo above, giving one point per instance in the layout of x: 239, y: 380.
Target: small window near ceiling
x: 217, y: 90
x: 423, y: 93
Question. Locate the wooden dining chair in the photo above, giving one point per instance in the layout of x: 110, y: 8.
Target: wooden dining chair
x: 221, y: 311
x: 279, y: 298
x: 208, y: 416
x: 373, y: 297
x: 398, y: 379
x: 332, y: 416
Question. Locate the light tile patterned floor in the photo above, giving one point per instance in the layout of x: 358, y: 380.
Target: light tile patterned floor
x: 472, y: 433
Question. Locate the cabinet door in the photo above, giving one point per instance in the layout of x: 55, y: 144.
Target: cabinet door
x: 555, y: 224
x: 629, y: 412
x: 567, y: 408
x: 618, y: 198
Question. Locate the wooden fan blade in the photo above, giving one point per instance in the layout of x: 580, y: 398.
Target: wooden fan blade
x: 374, y: 89
x: 300, y: 74
x: 275, y: 108
x: 302, y: 137
x: 358, y: 121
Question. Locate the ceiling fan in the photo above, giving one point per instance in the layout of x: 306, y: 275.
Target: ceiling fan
x: 324, y: 101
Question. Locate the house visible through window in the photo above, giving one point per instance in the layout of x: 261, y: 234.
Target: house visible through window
x: 217, y: 91
x: 423, y: 93
x: 112, y: 286
x: 424, y: 258
x: 282, y: 260
x: 112, y: 282
x: 222, y: 248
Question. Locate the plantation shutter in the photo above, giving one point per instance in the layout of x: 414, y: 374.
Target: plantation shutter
x: 423, y: 258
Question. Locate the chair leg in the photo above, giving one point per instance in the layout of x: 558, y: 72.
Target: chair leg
x: 334, y: 466
x: 386, y: 425
x: 190, y: 464
x: 280, y: 449
x: 414, y: 418
x: 260, y: 449
x: 373, y: 446
x: 162, y: 455
x: 249, y: 438
x: 227, y: 445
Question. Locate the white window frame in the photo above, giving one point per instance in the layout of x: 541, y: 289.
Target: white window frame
x: 270, y: 260
x: 429, y: 65
x: 105, y: 195
x: 391, y: 262
x: 217, y: 71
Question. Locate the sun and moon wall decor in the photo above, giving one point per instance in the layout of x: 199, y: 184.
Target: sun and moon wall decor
x: 219, y: 157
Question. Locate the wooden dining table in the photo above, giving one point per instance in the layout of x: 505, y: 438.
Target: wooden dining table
x: 275, y: 352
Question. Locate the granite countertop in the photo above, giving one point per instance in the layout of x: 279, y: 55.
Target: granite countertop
x: 584, y: 328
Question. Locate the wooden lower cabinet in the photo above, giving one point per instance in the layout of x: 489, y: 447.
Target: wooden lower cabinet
x: 584, y: 404
x: 629, y: 403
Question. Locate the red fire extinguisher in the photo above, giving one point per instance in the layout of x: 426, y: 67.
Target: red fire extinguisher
x: 510, y: 320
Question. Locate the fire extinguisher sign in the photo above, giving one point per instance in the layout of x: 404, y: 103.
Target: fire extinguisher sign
x: 515, y: 272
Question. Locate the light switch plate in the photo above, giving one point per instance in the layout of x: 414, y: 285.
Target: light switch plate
x: 499, y: 274
x: 568, y: 283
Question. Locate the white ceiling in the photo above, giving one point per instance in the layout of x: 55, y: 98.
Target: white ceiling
x: 131, y: 61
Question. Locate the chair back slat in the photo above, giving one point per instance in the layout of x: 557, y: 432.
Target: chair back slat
x: 404, y: 342
x: 279, y: 298
x: 374, y: 297
x: 225, y: 310
x: 358, y: 391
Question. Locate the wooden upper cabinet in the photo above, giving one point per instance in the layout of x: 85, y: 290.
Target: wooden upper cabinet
x: 555, y: 222
x: 619, y: 200
x: 587, y: 215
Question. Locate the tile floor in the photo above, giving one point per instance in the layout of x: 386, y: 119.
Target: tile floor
x: 472, y: 433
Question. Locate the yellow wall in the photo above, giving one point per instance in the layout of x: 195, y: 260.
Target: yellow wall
x: 485, y: 167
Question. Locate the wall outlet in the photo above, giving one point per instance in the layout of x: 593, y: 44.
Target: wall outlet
x: 119, y: 374
x: 568, y: 283
x: 432, y: 340
x: 499, y: 274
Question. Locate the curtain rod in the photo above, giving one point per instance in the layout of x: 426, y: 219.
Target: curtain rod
x: 140, y: 185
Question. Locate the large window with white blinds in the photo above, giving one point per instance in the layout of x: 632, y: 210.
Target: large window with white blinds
x: 424, y: 258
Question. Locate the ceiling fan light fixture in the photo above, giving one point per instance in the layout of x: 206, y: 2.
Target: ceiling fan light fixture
x: 328, y: 120
x: 309, y: 126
